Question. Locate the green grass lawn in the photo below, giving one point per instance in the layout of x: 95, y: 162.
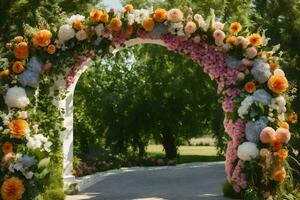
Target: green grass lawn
x: 189, y: 154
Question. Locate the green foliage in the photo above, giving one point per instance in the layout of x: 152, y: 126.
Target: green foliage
x: 55, y: 194
x: 228, y: 191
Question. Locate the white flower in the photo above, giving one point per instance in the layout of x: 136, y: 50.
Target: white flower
x: 39, y: 141
x: 16, y: 97
x: 248, y: 151
x: 131, y: 19
x: 245, y: 106
x: 176, y: 28
x: 23, y: 115
x: 74, y: 18
x: 139, y: 15
x: 81, y: 35
x: 241, y: 76
x: 65, y: 33
x: 99, y: 29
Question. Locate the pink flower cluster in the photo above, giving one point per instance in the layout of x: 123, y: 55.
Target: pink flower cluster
x: 236, y: 130
x: 238, y: 179
x: 228, y: 105
x: 228, y: 101
x: 231, y: 156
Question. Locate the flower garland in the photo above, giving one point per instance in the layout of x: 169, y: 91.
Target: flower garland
x: 246, y: 70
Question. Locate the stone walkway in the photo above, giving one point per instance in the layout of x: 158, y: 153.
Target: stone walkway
x: 193, y: 181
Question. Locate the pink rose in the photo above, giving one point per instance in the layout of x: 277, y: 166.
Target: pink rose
x: 175, y: 15
x: 283, y: 135
x: 219, y: 37
x: 240, y: 40
x: 267, y: 135
x: 219, y: 26
x: 190, y: 28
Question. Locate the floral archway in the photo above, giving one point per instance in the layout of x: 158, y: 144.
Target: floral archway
x: 38, y: 85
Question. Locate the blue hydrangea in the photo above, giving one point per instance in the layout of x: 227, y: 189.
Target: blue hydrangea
x: 253, y: 129
x: 34, y: 65
x: 233, y: 62
x: 261, y: 71
x: 262, y: 96
x: 159, y: 30
x: 28, y: 161
x: 29, y: 78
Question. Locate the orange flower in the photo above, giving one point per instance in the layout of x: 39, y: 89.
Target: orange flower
x: 104, y: 18
x: 148, y: 24
x: 78, y: 25
x: 115, y: 24
x: 250, y: 87
x: 278, y: 84
x: 273, y: 66
x: 4, y: 73
x: 17, y: 128
x: 18, y: 39
x: 21, y: 51
x: 279, y: 175
x: 293, y: 118
x: 282, y: 154
x: 95, y: 15
x: 7, y: 147
x: 12, y: 189
x: 160, y: 15
x: 235, y: 27
x: 231, y: 40
x: 128, y: 8
x: 276, y: 144
x: 284, y: 125
x: 18, y: 67
x: 42, y: 38
x: 51, y: 49
x: 129, y: 29
x: 255, y: 39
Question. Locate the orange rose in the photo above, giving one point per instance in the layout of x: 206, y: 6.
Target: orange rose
x: 273, y: 66
x: 279, y: 175
x: 278, y: 84
x: 12, y: 189
x: 51, y: 49
x: 7, y: 147
x: 276, y: 144
x: 160, y: 15
x: 128, y: 8
x: 95, y: 15
x: 231, y: 40
x: 293, y: 118
x: 129, y: 29
x: 250, y: 87
x: 255, y: 39
x: 235, y: 27
x: 282, y: 154
x: 42, y: 38
x: 21, y: 51
x: 104, y: 18
x: 78, y: 25
x: 148, y: 24
x: 17, y: 128
x: 18, y: 67
x: 115, y: 24
x: 284, y: 125
x: 4, y: 73
x: 18, y: 39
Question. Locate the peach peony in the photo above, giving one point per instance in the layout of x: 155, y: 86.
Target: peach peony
x: 283, y: 135
x: 219, y: 35
x: 115, y: 24
x: 276, y: 144
x: 255, y: 39
x: 278, y: 84
x: 18, y: 67
x: 7, y: 147
x: 51, y: 49
x: 148, y: 24
x: 175, y: 15
x: 42, y: 38
x: 251, y: 52
x: 21, y: 51
x: 190, y: 27
x: 12, y: 189
x: 279, y: 175
x: 160, y: 15
x: 267, y: 135
x: 250, y: 87
x: 219, y: 26
x: 95, y: 15
x: 17, y: 128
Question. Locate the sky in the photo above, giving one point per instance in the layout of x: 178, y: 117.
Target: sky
x: 113, y: 4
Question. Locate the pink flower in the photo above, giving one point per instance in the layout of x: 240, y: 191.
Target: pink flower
x: 219, y: 26
x: 238, y: 179
x: 267, y: 135
x: 264, y: 152
x: 219, y: 36
x: 175, y: 15
x: 251, y: 52
x: 240, y: 40
x: 228, y: 105
x: 190, y: 28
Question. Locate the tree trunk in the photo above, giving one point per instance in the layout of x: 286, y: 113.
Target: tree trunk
x: 169, y: 144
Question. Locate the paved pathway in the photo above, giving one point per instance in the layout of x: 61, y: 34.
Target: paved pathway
x: 193, y: 181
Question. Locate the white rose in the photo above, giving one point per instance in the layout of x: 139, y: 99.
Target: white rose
x: 65, y: 33
x: 248, y: 151
x: 81, y: 35
x: 16, y: 97
x: 99, y: 29
x: 74, y: 18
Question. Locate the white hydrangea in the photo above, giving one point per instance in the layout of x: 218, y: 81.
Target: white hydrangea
x: 176, y: 29
x: 65, y: 33
x: 16, y: 98
x: 39, y: 141
x: 81, y: 35
x: 99, y: 30
x: 139, y: 15
x: 74, y: 18
x: 245, y: 106
x: 248, y: 151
